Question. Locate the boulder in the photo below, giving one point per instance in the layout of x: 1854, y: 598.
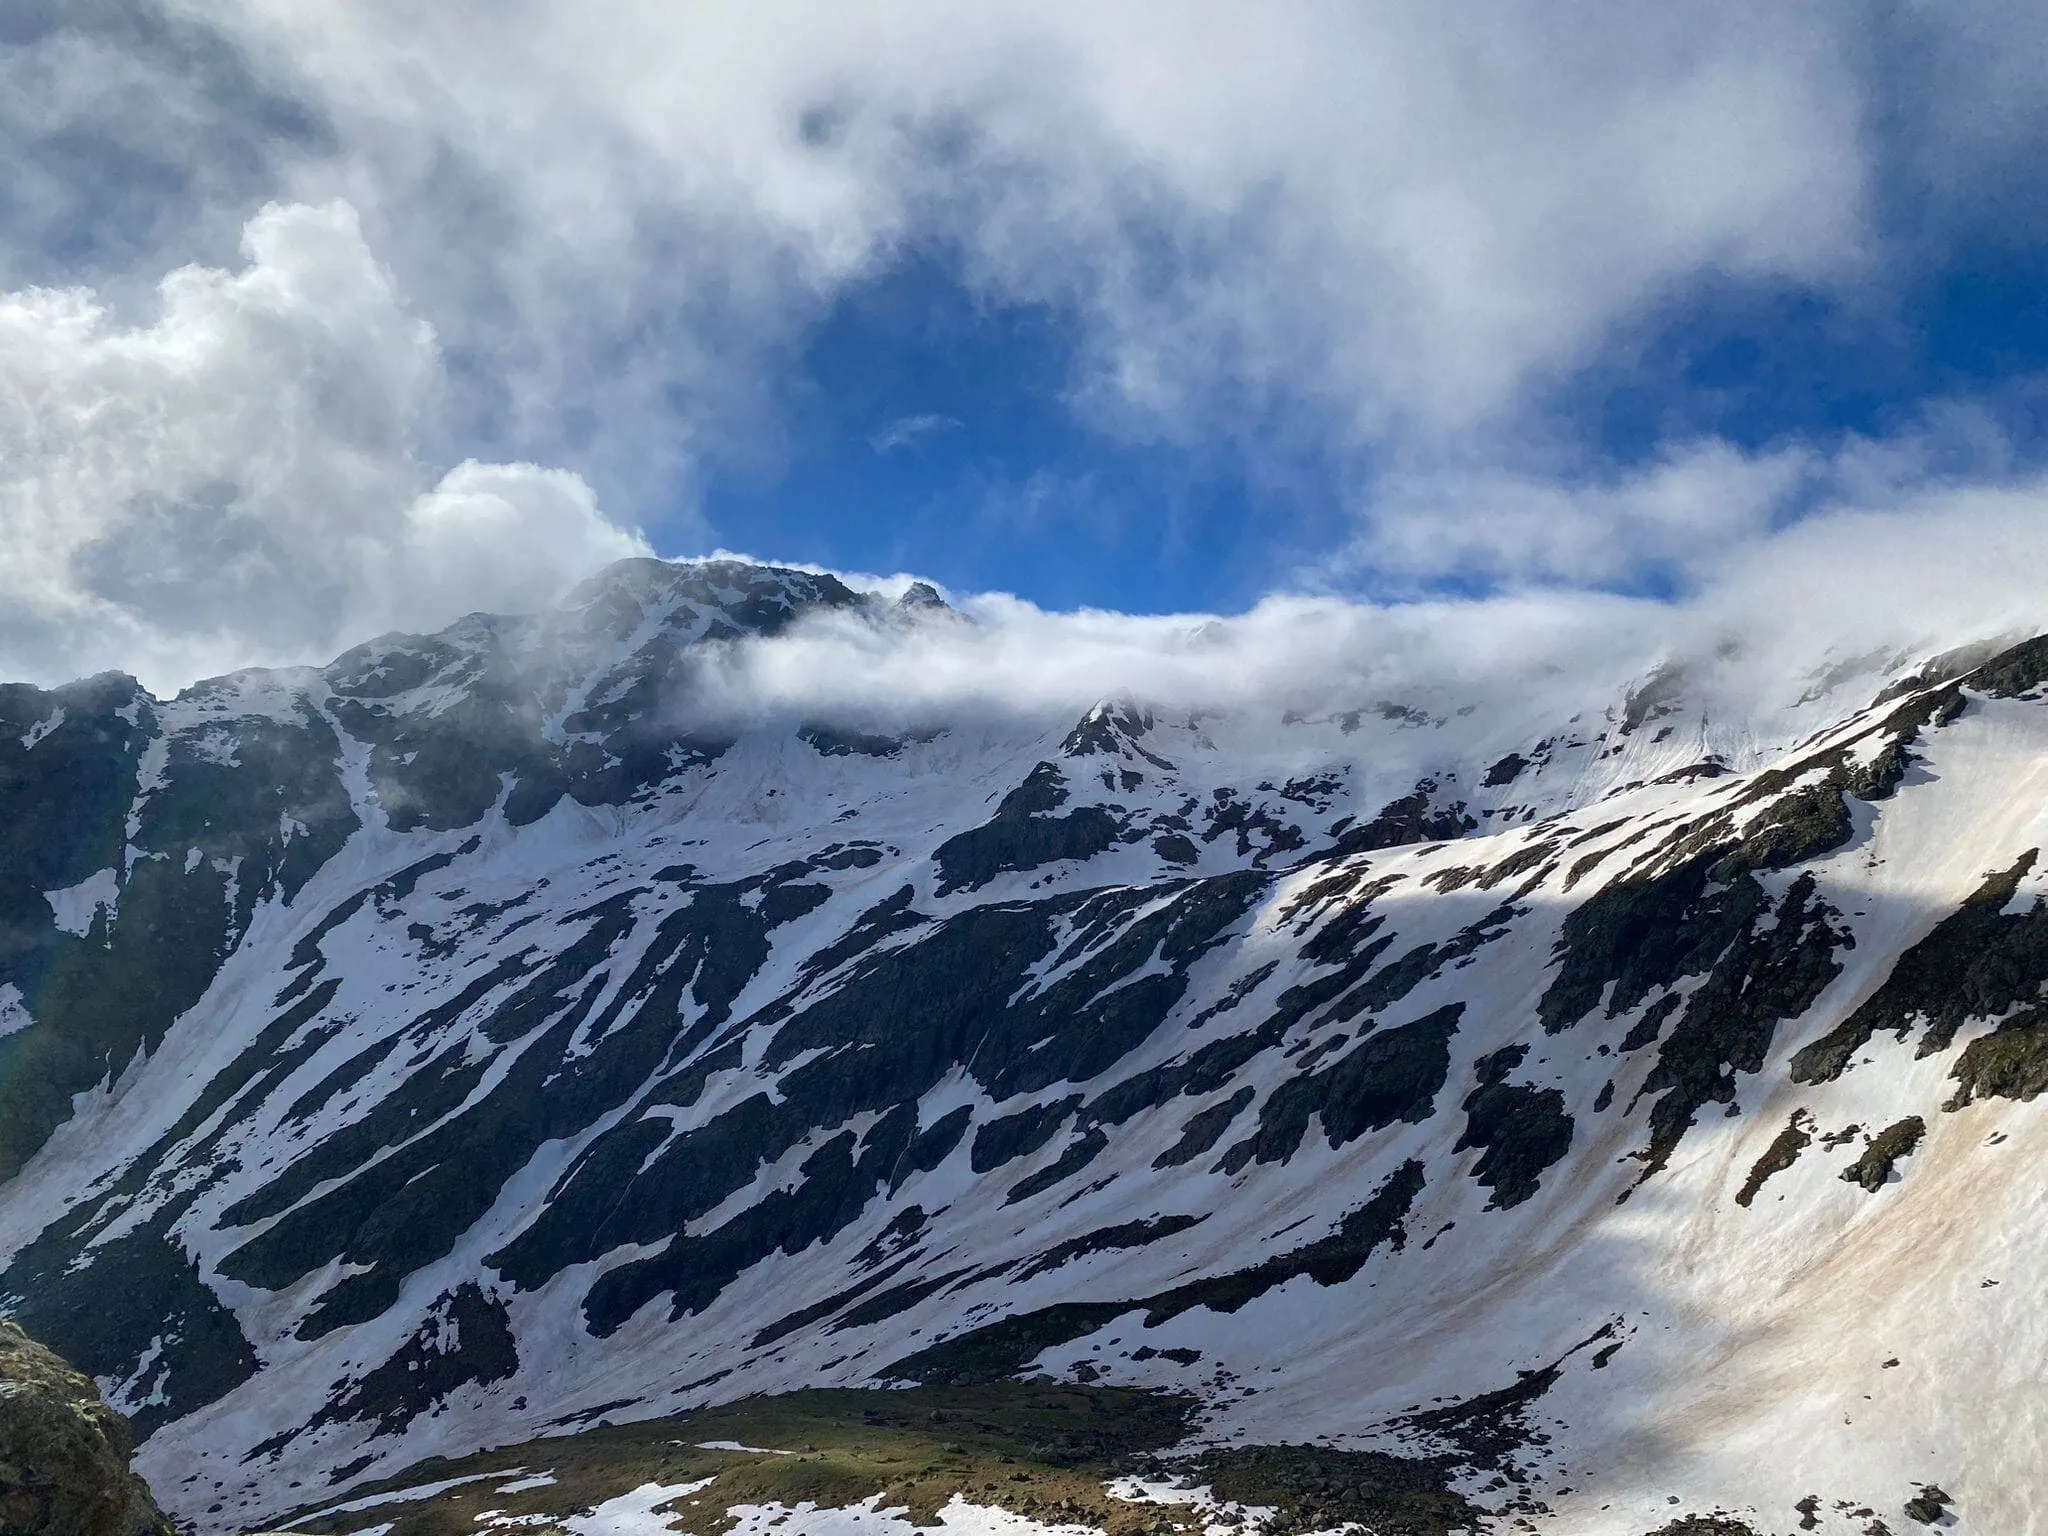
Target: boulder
x: 64, y: 1452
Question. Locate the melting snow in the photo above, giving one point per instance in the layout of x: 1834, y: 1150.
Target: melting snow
x: 14, y: 1014
x: 76, y: 906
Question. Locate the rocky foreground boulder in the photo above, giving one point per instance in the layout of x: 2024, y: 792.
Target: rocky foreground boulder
x: 64, y: 1452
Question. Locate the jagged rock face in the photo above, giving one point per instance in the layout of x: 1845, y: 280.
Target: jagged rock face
x: 476, y: 1038
x: 63, y: 1452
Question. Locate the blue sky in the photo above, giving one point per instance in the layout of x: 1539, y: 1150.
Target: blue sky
x: 325, y: 319
x: 926, y: 429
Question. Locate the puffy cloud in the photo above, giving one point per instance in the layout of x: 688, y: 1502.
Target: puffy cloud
x: 239, y: 479
x: 1384, y: 213
x: 1377, y: 226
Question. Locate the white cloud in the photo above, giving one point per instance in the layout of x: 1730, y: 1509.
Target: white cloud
x: 1676, y: 523
x: 238, y: 479
x: 1385, y: 228
x: 1497, y: 525
x: 1912, y: 575
x: 908, y: 431
x: 1394, y: 215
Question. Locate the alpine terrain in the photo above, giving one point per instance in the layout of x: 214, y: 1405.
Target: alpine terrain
x: 1396, y: 1114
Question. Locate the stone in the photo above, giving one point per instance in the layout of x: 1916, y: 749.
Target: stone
x: 64, y: 1452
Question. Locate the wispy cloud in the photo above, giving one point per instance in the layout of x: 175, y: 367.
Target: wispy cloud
x: 908, y: 431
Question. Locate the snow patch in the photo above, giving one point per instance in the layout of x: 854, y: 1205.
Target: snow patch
x: 77, y: 906
x: 869, y: 1518
x: 14, y: 1014
x: 42, y: 728
x: 400, y: 1496
x: 635, y: 1514
x: 523, y: 1484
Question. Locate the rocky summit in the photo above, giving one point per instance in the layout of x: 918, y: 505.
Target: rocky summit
x: 492, y: 1083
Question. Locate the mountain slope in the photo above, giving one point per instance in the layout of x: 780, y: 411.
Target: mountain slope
x: 492, y: 1033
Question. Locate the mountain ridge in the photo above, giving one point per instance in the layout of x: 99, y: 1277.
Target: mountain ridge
x: 489, y: 1032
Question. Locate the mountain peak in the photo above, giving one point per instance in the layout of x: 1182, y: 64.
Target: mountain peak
x: 718, y: 598
x: 1114, y: 726
x: 922, y: 595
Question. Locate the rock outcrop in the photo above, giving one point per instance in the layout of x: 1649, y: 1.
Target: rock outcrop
x: 64, y: 1452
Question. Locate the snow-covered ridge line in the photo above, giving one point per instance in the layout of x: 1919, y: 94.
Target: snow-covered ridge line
x: 473, y: 1047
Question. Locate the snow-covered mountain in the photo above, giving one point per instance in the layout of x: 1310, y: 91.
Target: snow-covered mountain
x: 491, y: 1032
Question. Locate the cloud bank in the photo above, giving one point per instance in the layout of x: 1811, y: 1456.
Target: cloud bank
x: 1822, y: 613
x: 239, y: 478
x: 1383, y: 212
x: 459, y: 296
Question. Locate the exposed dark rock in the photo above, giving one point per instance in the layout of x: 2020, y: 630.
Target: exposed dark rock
x: 1392, y: 1074
x: 833, y: 741
x: 1506, y: 771
x: 1414, y: 818
x: 835, y: 1185
x: 921, y: 597
x: 64, y: 1452
x: 1781, y: 1154
x: 1004, y: 1348
x: 1522, y: 1130
x: 1895, y: 1141
x: 1979, y: 962
x: 1646, y: 1029
x: 2013, y: 672
x: 1799, y: 826
x: 1928, y: 1505
x: 897, y: 1300
x: 220, y: 833
x: 1018, y: 1135
x: 896, y: 1025
x: 1024, y: 835
x: 1128, y: 1234
x: 1260, y: 833
x: 1115, y: 730
x: 465, y: 1340
x: 1082, y: 1151
x: 2009, y: 1063
x: 714, y: 1072
x: 1653, y: 698
x: 1761, y: 979
x: 1318, y: 1488
x: 818, y: 1311
x: 1763, y: 962
x: 1881, y: 777
x: 1204, y: 1129
x: 1489, y: 1428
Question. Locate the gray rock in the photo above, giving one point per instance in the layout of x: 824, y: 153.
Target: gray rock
x: 64, y: 1452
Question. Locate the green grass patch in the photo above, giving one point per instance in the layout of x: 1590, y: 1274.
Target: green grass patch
x: 1315, y: 1488
x: 1036, y: 1448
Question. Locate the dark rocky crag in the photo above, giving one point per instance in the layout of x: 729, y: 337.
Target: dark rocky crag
x: 63, y: 1452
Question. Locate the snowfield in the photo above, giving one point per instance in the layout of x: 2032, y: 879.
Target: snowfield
x: 467, y: 1042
